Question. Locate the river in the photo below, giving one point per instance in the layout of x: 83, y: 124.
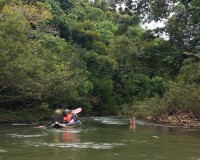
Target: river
x: 100, y: 138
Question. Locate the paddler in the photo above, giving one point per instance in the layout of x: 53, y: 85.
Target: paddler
x: 70, y: 118
x: 58, y: 114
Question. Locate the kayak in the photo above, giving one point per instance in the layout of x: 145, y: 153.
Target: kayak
x: 77, y: 123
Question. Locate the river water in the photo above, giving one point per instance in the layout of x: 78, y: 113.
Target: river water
x: 100, y: 138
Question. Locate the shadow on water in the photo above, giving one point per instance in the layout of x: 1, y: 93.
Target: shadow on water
x: 99, y: 138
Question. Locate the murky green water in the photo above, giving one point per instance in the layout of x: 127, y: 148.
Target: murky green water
x: 100, y: 138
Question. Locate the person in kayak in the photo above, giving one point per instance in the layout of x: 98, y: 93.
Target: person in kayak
x: 58, y: 115
x: 70, y: 118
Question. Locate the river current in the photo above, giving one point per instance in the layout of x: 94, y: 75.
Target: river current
x: 100, y: 138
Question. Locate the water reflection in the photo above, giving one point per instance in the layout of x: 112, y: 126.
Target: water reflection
x: 71, y: 139
x: 132, y: 123
x: 67, y: 136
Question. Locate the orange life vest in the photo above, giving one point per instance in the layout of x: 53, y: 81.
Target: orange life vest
x: 68, y: 118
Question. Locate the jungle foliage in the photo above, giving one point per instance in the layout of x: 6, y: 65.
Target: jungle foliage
x: 91, y: 54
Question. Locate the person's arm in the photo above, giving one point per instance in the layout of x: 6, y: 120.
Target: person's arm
x: 74, y: 118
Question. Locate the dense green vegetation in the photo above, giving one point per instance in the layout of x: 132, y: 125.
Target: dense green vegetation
x: 89, y: 54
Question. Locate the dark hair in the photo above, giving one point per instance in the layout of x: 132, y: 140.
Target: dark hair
x: 59, y: 105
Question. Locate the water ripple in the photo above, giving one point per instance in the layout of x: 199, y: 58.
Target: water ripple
x: 85, y: 145
x: 111, y: 120
x: 26, y: 136
x: 19, y: 124
x: 3, y: 151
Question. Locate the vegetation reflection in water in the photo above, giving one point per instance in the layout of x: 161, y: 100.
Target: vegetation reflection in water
x: 99, y: 138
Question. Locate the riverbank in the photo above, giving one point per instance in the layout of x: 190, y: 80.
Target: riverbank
x: 187, y: 119
x: 37, y: 114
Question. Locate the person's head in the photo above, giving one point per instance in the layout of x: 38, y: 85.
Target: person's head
x: 59, y: 106
x: 67, y: 111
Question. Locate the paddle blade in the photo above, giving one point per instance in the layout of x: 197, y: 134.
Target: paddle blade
x: 78, y: 110
x: 40, y: 126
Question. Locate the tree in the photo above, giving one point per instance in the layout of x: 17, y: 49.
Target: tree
x: 33, y: 62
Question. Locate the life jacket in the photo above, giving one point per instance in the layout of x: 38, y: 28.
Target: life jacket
x: 68, y: 118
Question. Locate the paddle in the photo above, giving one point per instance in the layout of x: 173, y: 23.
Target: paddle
x: 78, y: 110
x: 43, y: 125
